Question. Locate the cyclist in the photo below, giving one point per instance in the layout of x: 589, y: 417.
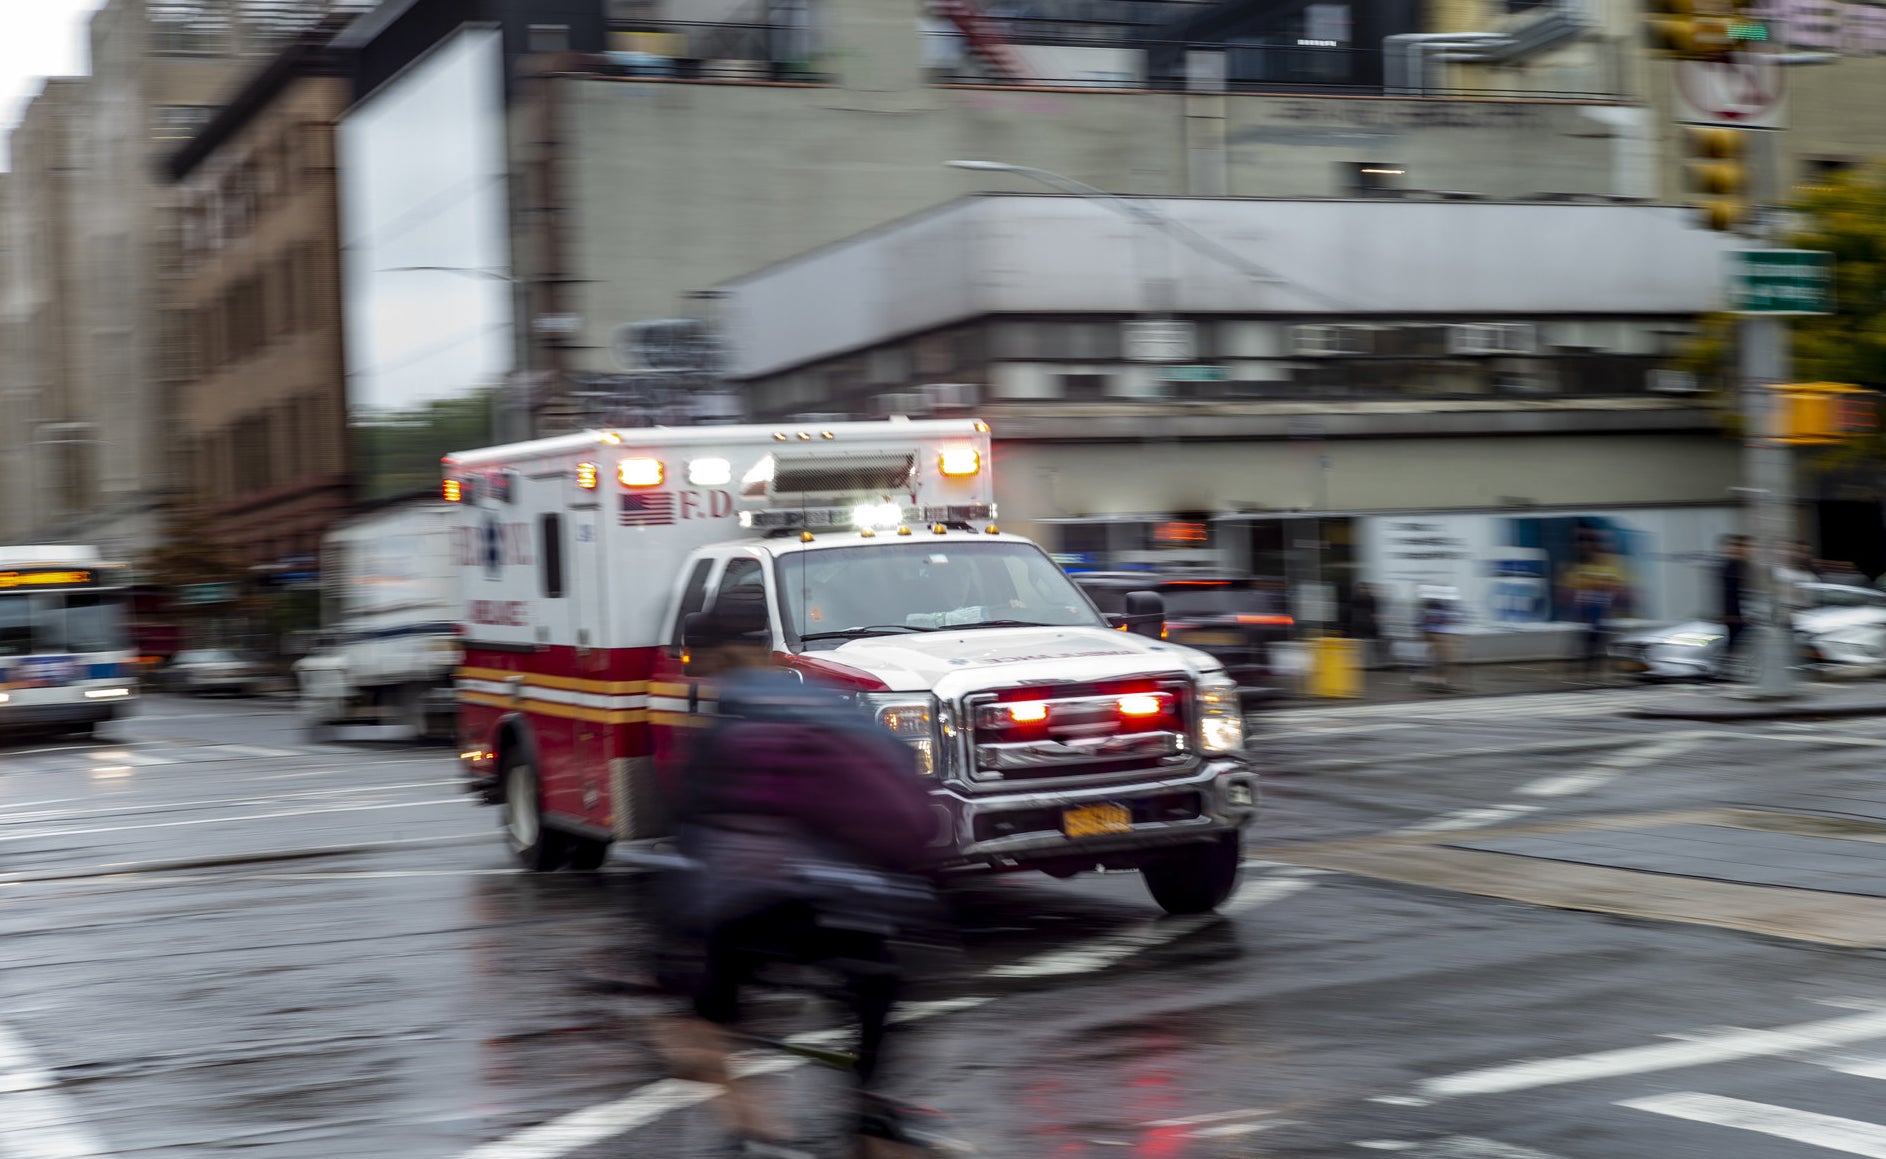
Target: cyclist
x: 798, y: 819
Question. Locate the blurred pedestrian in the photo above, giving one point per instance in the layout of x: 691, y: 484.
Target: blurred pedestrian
x: 800, y: 825
x: 1435, y: 620
x: 1731, y: 577
x: 1363, y: 622
x: 1595, y: 585
x: 1793, y: 575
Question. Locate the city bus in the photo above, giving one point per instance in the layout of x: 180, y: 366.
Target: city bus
x: 65, y: 651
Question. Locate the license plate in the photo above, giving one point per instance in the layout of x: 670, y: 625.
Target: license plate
x: 1094, y: 820
x: 1217, y: 638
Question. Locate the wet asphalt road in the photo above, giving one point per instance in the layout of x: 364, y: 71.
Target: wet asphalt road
x: 218, y: 937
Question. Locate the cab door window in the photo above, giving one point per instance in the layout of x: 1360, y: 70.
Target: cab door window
x: 693, y: 599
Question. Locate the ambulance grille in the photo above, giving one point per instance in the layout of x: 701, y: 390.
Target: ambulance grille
x: 850, y: 474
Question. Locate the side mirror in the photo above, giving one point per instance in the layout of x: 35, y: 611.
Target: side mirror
x: 1145, y: 614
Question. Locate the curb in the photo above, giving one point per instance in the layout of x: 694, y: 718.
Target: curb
x: 1804, y: 708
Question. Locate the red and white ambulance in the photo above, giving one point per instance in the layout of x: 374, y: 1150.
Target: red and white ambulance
x: 1057, y: 740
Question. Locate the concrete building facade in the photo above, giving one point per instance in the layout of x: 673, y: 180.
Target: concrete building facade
x: 260, y: 393
x: 45, y: 413
x: 159, y: 70
x: 642, y: 183
x: 1340, y: 369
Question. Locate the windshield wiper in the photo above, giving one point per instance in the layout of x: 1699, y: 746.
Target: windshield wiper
x: 1012, y: 624
x: 867, y: 630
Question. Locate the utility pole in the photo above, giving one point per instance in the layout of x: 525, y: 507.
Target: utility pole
x: 1767, y: 464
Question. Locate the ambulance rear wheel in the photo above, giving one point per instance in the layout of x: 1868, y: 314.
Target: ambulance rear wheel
x: 536, y: 846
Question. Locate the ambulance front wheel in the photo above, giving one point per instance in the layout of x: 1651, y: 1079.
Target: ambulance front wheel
x: 536, y: 846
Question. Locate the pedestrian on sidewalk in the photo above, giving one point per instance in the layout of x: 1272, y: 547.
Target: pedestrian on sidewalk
x: 1435, y: 620
x: 1362, y: 623
x: 1731, y: 574
x: 1595, y: 585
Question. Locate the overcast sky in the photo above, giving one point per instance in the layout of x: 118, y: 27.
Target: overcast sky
x: 38, y: 38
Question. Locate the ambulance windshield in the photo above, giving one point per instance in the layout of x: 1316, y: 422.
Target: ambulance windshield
x: 840, y: 593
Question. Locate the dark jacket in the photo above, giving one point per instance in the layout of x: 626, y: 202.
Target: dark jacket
x: 789, y: 752
x: 1731, y: 588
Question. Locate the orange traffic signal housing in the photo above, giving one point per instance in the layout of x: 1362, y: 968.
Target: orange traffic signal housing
x: 1824, y: 412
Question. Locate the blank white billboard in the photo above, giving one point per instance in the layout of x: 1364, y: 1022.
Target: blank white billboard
x: 425, y: 260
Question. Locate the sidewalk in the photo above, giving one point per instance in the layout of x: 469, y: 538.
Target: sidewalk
x: 1394, y: 685
x: 1813, y: 700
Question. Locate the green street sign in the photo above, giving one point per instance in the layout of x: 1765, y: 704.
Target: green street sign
x: 1781, y: 282
x: 208, y: 593
x: 1195, y: 374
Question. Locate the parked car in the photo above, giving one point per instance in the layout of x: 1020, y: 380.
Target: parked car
x: 196, y: 671
x: 1844, y: 625
x: 1234, y: 618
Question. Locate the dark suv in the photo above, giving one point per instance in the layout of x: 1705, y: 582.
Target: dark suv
x: 1234, y: 618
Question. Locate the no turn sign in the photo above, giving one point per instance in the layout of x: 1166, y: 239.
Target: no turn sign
x: 1749, y: 92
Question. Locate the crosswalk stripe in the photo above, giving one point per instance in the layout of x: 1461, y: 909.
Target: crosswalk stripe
x: 1829, y: 1132
x: 1485, y: 708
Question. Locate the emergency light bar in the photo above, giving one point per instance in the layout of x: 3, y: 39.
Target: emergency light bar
x: 862, y: 517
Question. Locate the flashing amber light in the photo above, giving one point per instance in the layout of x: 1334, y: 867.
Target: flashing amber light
x: 452, y: 491
x: 610, y: 437
x: 903, y: 531
x: 939, y: 528
x: 805, y: 537
x: 982, y: 426
x: 639, y: 472
x: 1140, y: 704
x: 1272, y: 619
x: 1165, y: 632
x: 1028, y: 712
x: 586, y: 476
x: 959, y: 461
x: 992, y: 529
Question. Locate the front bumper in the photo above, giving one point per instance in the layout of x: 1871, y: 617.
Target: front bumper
x: 30, y: 715
x: 1014, y: 829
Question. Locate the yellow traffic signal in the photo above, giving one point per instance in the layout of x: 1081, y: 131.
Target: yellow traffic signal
x: 1717, y: 171
x: 1822, y: 412
x: 1695, y: 29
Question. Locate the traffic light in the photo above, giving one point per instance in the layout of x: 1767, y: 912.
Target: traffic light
x: 1717, y: 171
x: 1822, y: 412
x: 1697, y: 29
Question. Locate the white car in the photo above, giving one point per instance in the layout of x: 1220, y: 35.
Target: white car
x: 1845, y: 625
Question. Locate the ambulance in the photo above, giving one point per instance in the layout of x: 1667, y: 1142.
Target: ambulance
x: 1056, y: 739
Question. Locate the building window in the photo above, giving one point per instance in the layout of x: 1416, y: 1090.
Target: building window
x: 178, y: 123
x: 189, y: 26
x: 1083, y: 386
x: 552, y: 556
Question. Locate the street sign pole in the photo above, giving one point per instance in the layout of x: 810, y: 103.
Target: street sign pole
x: 1767, y: 466
x: 1769, y: 471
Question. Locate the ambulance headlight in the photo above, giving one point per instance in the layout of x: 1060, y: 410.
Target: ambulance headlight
x: 876, y: 516
x: 1220, y: 715
x: 911, y: 717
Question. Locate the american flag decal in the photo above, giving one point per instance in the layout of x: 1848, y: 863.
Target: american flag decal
x: 647, y: 509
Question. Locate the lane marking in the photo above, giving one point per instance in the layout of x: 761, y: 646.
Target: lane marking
x: 1478, y: 818
x: 1498, y: 750
x: 256, y: 750
x: 590, y: 1126
x: 1335, y: 729
x: 41, y: 1122
x: 229, y: 820
x: 186, y: 864
x: 1610, y: 768
x: 140, y: 809
x: 1115, y: 948
x: 1457, y: 1147
x: 1728, y: 1046
x: 1829, y: 1132
x: 1213, y: 1117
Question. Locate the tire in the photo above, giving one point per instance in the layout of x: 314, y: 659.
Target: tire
x: 587, y: 855
x: 537, y: 847
x: 1194, y: 879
